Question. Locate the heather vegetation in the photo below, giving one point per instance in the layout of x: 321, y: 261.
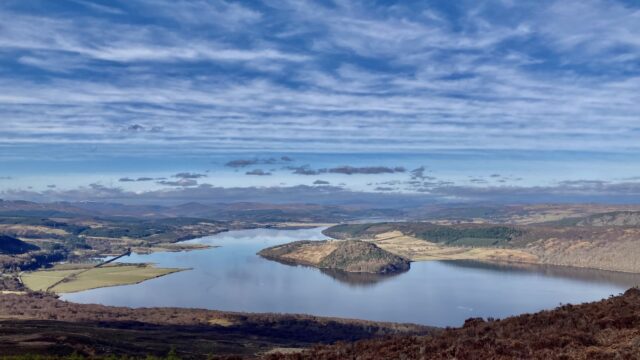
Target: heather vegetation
x: 43, y: 325
x: 608, y: 329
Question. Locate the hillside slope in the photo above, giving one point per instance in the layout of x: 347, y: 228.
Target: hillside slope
x: 606, y: 247
x: 617, y: 218
x: 608, y: 329
x: 40, y: 324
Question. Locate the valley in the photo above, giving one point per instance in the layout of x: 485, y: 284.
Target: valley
x: 347, y: 264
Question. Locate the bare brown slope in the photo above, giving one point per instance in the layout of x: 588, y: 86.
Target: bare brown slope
x: 613, y: 248
x: 608, y: 329
x: 41, y: 324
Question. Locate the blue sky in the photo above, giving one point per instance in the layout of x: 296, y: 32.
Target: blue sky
x: 538, y: 92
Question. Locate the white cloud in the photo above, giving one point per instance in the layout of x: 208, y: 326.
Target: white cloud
x: 346, y: 77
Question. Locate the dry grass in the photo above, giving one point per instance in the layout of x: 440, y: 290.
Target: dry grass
x: 419, y: 250
x: 170, y: 247
x: 222, y: 321
x: 311, y: 253
x: 615, y: 250
x: 93, y: 278
x: 24, y: 230
x: 12, y: 292
x: 283, y: 350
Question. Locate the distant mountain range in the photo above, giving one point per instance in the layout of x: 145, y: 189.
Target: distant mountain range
x: 245, y: 211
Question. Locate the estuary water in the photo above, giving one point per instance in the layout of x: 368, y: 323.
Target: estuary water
x: 440, y: 293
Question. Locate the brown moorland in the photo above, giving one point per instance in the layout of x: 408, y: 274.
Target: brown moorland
x: 41, y: 324
x: 608, y: 329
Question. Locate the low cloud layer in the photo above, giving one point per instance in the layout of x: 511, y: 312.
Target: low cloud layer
x: 187, y: 190
x: 184, y: 182
x: 140, y: 179
x: 348, y: 170
x: 187, y: 175
x: 241, y: 163
x: 205, y: 193
x: 258, y: 172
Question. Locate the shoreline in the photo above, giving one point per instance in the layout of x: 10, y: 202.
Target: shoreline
x: 418, y: 250
x: 71, y: 279
x: 139, y: 332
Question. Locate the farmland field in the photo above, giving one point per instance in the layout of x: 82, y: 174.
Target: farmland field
x: 92, y: 278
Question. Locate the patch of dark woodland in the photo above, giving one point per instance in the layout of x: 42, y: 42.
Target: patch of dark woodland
x: 12, y: 246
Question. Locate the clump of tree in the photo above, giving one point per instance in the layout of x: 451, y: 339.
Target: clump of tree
x: 478, y: 236
x: 455, y: 235
x: 12, y: 246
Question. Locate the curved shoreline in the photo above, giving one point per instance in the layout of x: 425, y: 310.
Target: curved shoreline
x: 70, y: 280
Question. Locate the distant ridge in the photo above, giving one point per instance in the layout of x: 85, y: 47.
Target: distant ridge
x: 616, y: 218
x: 244, y: 211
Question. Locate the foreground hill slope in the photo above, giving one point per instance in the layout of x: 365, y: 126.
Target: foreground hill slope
x: 40, y: 324
x: 608, y: 329
x: 350, y: 256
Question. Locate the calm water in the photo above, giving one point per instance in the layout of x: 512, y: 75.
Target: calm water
x: 231, y: 277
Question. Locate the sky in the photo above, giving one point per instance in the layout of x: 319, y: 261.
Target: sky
x: 471, y: 100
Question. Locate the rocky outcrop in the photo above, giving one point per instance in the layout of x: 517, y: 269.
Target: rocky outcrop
x: 350, y: 256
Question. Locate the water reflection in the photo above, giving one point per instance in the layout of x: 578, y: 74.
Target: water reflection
x: 348, y: 278
x: 626, y: 280
x: 360, y: 279
x: 232, y: 277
